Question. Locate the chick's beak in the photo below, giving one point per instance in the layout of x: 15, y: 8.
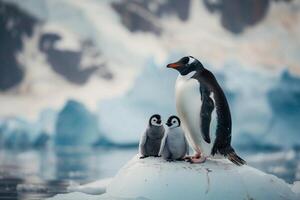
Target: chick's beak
x: 168, y: 124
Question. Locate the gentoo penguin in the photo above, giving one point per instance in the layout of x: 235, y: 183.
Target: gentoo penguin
x: 151, y: 139
x: 200, y: 100
x: 174, y: 145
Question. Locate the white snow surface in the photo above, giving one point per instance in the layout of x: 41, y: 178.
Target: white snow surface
x: 296, y: 188
x: 154, y: 178
x: 97, y: 187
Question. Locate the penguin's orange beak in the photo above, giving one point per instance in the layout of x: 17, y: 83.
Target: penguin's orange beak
x: 174, y: 65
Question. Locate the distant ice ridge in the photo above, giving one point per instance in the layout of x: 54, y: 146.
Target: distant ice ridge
x: 284, y: 100
x: 263, y: 105
x: 264, y: 108
x: 74, y: 125
x: 17, y: 133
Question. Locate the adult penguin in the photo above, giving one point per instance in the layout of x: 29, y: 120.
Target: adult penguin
x: 200, y: 100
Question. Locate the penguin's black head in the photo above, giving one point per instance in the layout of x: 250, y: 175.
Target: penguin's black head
x: 155, y: 120
x: 173, y: 122
x: 186, y: 65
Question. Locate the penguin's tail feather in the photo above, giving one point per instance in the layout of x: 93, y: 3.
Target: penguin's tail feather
x: 230, y: 154
x: 233, y: 157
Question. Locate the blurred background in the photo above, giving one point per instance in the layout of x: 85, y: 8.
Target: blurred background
x: 79, y: 80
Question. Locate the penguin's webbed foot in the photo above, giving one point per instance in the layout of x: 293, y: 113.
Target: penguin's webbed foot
x: 142, y: 157
x: 180, y: 159
x: 196, y: 156
x: 197, y: 160
x: 156, y: 156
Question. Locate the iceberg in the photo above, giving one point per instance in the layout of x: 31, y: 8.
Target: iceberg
x: 17, y: 133
x: 103, y: 141
x: 154, y: 178
x: 264, y: 108
x: 284, y: 100
x: 76, y: 125
x: 18, y: 139
x: 41, y: 141
x: 47, y: 121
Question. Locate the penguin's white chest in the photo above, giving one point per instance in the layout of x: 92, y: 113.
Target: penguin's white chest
x: 188, y: 105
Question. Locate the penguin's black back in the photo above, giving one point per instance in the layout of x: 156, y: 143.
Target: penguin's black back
x: 222, y: 142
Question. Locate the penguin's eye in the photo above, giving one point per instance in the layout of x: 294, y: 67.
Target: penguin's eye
x: 185, y: 60
x: 154, y: 120
x: 174, y: 121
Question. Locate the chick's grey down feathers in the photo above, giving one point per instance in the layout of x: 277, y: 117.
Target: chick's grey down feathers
x: 151, y: 141
x: 174, y: 145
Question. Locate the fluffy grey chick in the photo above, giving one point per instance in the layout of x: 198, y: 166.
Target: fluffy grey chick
x: 174, y: 145
x: 150, y: 142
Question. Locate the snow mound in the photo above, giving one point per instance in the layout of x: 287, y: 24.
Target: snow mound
x: 296, y: 188
x: 97, y: 187
x: 154, y: 178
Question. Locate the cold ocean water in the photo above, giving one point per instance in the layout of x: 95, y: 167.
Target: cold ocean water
x: 40, y: 174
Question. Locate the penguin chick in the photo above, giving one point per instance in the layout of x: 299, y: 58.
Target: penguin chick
x: 174, y: 145
x: 151, y: 139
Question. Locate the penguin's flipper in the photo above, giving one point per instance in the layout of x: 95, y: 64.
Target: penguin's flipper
x: 142, y: 143
x: 166, y: 154
x: 205, y: 114
x: 162, y: 144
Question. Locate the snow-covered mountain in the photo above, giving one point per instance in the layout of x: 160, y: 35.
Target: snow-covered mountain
x: 111, y: 55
